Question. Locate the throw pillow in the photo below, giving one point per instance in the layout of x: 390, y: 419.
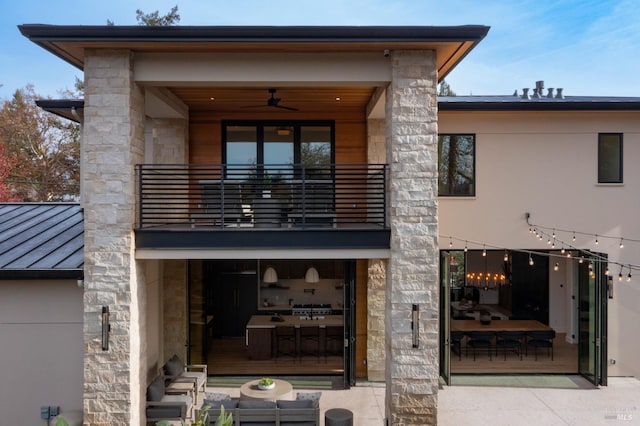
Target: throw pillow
x: 313, y: 396
x: 174, y: 366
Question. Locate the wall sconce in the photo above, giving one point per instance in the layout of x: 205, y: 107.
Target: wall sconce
x: 312, y: 275
x: 80, y: 282
x: 106, y: 328
x: 415, y: 325
x: 270, y: 276
x: 610, y: 287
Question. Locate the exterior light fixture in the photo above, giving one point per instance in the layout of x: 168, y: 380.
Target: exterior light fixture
x: 556, y: 266
x: 270, y: 276
x: 311, y: 276
x: 106, y: 328
x: 415, y: 325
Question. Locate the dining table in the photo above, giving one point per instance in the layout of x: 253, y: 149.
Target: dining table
x: 498, y: 325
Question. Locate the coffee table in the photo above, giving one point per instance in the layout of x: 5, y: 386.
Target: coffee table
x: 281, y: 390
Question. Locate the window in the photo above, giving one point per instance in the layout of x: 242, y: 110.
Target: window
x: 610, y: 158
x: 277, y: 145
x: 456, y: 165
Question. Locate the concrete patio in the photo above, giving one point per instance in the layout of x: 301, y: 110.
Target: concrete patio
x: 583, y: 405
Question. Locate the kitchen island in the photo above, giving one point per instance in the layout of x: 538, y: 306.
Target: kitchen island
x: 260, y: 333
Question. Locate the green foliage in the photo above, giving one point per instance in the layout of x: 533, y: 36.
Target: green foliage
x: 154, y: 19
x: 224, y: 419
x: 445, y: 89
x: 61, y: 421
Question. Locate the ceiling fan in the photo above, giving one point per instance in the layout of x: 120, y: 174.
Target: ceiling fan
x: 273, y: 102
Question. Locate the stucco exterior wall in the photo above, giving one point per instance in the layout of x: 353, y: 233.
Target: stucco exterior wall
x: 41, y: 356
x: 545, y: 163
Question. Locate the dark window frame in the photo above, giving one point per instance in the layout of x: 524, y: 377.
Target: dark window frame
x: 261, y: 124
x: 620, y: 160
x: 473, y: 183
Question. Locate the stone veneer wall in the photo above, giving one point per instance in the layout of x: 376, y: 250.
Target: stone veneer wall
x: 376, y: 288
x: 175, y: 308
x: 112, y: 143
x: 376, y: 281
x: 412, y: 273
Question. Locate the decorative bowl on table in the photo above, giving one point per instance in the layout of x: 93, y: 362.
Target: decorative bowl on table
x: 266, y: 383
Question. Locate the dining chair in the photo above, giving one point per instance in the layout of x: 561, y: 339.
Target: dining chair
x: 455, y: 341
x: 480, y: 340
x: 509, y: 340
x: 540, y: 339
x: 310, y: 341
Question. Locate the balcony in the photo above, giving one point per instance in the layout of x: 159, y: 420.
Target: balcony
x: 239, y: 201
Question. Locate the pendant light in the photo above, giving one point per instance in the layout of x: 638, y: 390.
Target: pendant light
x: 311, y: 276
x: 270, y: 276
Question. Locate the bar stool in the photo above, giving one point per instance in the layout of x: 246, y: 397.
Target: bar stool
x: 334, y: 341
x: 310, y: 341
x: 285, y: 341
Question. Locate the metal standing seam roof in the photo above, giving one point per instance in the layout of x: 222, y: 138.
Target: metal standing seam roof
x: 41, y: 240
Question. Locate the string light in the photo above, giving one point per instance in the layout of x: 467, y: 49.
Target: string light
x: 581, y: 255
x: 484, y: 251
x: 450, y: 243
x: 506, y: 256
x: 597, y: 242
x: 621, y: 243
x: 556, y: 266
x: 574, y: 237
x: 620, y: 274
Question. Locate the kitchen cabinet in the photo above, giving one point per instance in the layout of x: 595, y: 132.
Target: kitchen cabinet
x: 236, y: 300
x: 259, y: 343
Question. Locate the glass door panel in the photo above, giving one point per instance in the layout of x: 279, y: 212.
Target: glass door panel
x: 445, y: 304
x: 592, y: 323
x: 241, y: 150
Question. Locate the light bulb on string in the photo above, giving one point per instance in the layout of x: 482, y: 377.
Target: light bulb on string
x: 606, y: 271
x: 553, y: 243
x: 621, y: 243
x: 554, y: 234
x: 629, y: 274
x: 556, y: 266
x: 597, y: 242
x: 549, y: 241
x: 530, y: 260
x: 465, y: 247
x: 574, y: 237
x: 581, y: 259
x: 450, y: 243
x: 620, y: 274
x: 562, y: 249
x: 484, y: 251
x: 506, y: 256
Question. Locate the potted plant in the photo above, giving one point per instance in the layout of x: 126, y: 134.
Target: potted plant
x: 202, y: 419
x: 224, y: 419
x: 266, y: 383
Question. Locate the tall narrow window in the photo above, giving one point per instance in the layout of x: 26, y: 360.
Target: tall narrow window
x: 610, y: 158
x: 456, y: 165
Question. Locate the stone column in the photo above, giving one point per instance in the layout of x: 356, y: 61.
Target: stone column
x: 376, y: 281
x: 112, y: 143
x: 412, y: 273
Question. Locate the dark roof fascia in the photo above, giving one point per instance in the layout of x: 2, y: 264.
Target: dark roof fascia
x: 48, y: 33
x: 567, y: 104
x: 62, y: 107
x: 47, y: 274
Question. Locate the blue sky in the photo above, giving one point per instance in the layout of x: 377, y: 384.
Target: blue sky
x: 587, y: 47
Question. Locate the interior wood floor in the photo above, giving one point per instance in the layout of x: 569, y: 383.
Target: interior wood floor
x: 565, y: 360
x: 229, y: 357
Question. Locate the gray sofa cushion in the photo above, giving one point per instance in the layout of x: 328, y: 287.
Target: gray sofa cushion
x: 302, y: 403
x: 167, y: 412
x: 155, y: 391
x: 313, y: 396
x: 174, y: 367
x: 256, y: 404
x: 228, y: 404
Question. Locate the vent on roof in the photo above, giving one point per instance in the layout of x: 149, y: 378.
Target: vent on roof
x: 538, y: 92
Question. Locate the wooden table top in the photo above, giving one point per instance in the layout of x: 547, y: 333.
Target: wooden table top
x: 281, y: 390
x: 264, y: 321
x: 498, y: 325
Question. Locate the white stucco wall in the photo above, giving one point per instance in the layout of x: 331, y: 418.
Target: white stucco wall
x: 41, y: 355
x: 545, y: 163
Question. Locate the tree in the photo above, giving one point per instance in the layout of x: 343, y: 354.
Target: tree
x: 43, y: 150
x: 445, y: 89
x: 154, y: 19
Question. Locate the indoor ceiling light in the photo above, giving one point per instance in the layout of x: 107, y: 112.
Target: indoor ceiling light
x: 270, y: 276
x: 283, y: 131
x: 312, y: 275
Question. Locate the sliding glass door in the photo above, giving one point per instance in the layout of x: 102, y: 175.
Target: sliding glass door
x: 592, y: 324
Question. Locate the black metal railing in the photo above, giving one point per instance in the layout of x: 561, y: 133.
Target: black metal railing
x: 287, y: 196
